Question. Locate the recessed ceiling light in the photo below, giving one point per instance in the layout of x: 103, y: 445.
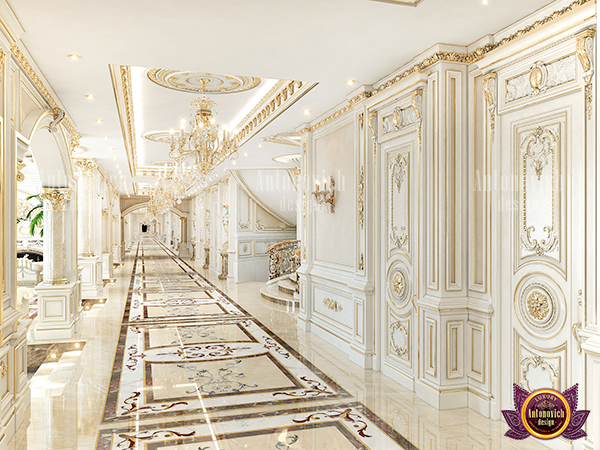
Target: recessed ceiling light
x: 111, y: 148
x: 306, y: 112
x: 74, y: 57
x: 90, y: 97
x: 260, y: 145
x: 233, y: 162
x: 350, y: 82
x: 117, y: 166
x: 105, y: 137
x: 114, y: 159
x: 245, y: 154
x: 485, y: 2
x: 99, y: 120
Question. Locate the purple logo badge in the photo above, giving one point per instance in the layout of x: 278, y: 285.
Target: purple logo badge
x: 545, y: 414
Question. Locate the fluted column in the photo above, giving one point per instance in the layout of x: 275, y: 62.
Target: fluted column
x: 85, y: 184
x: 55, y: 250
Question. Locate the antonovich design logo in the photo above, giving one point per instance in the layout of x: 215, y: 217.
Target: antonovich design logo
x: 545, y: 414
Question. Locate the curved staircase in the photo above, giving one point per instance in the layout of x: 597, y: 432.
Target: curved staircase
x: 281, y: 291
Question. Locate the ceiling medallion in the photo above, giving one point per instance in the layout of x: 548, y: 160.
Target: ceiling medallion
x: 401, y: 2
x: 163, y: 137
x: 294, y: 159
x: 203, y: 82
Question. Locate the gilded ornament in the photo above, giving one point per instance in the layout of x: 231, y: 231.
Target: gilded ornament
x: 332, y: 305
x: 585, y: 44
x: 489, y: 91
x: 538, y: 305
x: 202, y: 81
x: 372, y: 123
x: 20, y: 166
x: 398, y: 284
x: 58, y: 116
x: 75, y: 138
x: 401, y: 351
x: 361, y: 197
x: 85, y: 166
x: 538, y: 146
x: 361, y: 263
x: 57, y: 198
x: 416, y: 103
x: 3, y: 369
x: 2, y: 63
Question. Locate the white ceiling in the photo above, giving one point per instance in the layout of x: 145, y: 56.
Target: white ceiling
x: 325, y: 41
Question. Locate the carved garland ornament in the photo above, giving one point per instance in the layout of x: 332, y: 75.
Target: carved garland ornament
x: 361, y: 197
x: 416, y: 103
x: 3, y: 369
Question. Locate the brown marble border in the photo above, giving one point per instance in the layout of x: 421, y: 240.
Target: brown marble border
x: 105, y: 436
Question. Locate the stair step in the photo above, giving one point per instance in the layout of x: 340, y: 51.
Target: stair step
x: 287, y: 286
x: 274, y: 295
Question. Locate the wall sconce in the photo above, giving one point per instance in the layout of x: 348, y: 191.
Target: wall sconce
x: 325, y: 196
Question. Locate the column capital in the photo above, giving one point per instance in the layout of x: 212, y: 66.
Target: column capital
x: 85, y: 166
x: 57, y: 198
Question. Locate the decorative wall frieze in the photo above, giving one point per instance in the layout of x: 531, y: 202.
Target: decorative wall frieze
x: 125, y: 73
x: 585, y: 49
x: 400, y: 118
x: 85, y: 166
x: 540, y: 78
x: 57, y: 198
x: 489, y: 91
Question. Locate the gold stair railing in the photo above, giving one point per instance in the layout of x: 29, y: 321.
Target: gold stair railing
x: 284, y: 258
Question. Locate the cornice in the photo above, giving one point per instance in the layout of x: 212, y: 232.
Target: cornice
x: 445, y: 56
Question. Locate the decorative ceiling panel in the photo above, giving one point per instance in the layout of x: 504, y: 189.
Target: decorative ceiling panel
x: 211, y: 83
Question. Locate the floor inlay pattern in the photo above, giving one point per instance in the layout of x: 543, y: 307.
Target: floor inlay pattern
x: 186, y: 349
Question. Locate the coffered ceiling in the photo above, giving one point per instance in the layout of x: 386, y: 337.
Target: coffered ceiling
x: 143, y: 61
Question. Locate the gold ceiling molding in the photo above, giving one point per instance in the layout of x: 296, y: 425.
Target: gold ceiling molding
x: 464, y: 58
x: 263, y: 100
x: 291, y: 92
x: 198, y: 82
x: 125, y: 73
x: 16, y: 51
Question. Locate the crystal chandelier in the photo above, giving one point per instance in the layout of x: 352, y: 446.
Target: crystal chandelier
x: 196, y: 154
x: 205, y: 146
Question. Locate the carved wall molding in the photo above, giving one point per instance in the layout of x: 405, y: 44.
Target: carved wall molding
x: 20, y: 176
x: 398, y: 285
x: 417, y: 104
x: 538, y: 361
x: 399, y: 119
x: 58, y: 116
x: 372, y: 123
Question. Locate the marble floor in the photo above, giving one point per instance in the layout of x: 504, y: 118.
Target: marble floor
x: 177, y: 359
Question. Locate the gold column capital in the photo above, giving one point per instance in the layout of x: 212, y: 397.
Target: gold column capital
x: 85, y: 166
x: 57, y: 198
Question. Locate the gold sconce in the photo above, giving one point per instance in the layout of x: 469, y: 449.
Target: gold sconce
x: 325, y: 196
